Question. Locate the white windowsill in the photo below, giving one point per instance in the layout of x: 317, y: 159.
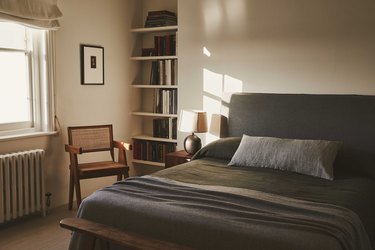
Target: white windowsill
x: 26, y: 135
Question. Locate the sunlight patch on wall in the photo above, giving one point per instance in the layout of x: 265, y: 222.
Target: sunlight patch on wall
x: 206, y: 52
x: 212, y: 83
x: 217, y: 89
x: 232, y: 84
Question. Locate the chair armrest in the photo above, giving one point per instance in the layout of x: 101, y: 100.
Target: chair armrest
x: 122, y: 145
x: 114, y: 235
x: 73, y: 149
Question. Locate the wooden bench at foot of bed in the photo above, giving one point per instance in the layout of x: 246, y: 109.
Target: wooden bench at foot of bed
x: 116, y: 236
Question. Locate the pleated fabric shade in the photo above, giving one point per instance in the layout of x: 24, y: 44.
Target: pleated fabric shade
x: 40, y: 14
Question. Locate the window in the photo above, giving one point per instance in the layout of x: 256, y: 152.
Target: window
x: 26, y: 105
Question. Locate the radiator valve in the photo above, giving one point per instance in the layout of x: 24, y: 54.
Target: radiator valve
x: 48, y: 199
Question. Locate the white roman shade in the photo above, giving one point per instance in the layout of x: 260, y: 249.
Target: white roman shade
x: 41, y: 14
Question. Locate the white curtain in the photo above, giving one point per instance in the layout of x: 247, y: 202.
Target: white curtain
x: 50, y: 125
x: 41, y: 14
x: 44, y: 72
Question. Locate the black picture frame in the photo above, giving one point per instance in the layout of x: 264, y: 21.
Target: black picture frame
x: 92, y: 64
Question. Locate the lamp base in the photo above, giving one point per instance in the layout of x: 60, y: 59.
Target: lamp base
x: 192, y: 144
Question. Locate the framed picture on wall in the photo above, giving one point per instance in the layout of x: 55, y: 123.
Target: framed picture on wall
x: 92, y: 64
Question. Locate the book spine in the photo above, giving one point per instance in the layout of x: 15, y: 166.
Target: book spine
x: 161, y: 72
x: 168, y: 72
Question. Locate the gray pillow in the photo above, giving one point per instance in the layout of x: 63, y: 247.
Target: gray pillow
x: 223, y: 148
x: 310, y: 157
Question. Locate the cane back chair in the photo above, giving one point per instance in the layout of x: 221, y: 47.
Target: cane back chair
x: 87, y: 139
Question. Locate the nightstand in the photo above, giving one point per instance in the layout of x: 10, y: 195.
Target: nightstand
x: 176, y: 158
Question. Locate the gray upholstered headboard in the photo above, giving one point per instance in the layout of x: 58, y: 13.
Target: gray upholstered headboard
x: 346, y: 118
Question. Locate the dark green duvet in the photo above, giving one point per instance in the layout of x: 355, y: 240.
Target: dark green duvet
x: 354, y: 193
x: 204, y: 204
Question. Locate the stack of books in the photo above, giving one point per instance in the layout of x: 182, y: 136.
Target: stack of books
x: 163, y: 72
x: 160, y: 18
x: 165, y: 45
x: 165, y: 128
x: 165, y: 101
x: 152, y: 151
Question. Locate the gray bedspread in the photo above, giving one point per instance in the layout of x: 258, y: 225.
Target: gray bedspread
x: 199, y: 205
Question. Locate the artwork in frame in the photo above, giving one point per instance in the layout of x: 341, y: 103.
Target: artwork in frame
x: 92, y: 65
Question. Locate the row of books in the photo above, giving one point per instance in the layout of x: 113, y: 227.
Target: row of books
x: 160, y: 18
x: 165, y: 101
x: 165, y: 128
x: 163, y: 72
x: 163, y: 46
x: 152, y: 150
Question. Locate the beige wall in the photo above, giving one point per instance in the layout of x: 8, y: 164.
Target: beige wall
x: 256, y: 45
x: 96, y: 22
x: 274, y: 46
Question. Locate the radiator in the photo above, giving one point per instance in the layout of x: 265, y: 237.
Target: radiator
x: 21, y: 184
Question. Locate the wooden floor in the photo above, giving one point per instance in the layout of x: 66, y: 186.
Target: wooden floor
x: 38, y: 232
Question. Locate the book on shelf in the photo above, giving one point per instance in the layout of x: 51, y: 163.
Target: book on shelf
x: 154, y: 75
x: 173, y: 129
x: 148, y: 52
x: 161, y: 128
x: 160, y: 18
x: 165, y: 101
x: 152, y: 150
x: 160, y: 23
x: 165, y: 45
x: 165, y: 128
x: 163, y: 72
x: 167, y: 72
x: 161, y: 12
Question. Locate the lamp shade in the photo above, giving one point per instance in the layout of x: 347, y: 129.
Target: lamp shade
x: 193, y: 121
x: 218, y: 125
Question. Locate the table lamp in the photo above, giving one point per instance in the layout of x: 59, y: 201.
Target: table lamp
x: 192, y: 121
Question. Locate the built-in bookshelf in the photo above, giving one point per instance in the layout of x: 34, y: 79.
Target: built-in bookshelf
x: 156, y: 81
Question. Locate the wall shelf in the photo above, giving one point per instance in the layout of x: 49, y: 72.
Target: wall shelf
x: 141, y: 113
x: 152, y: 58
x: 148, y: 86
x: 154, y: 29
x: 150, y: 138
x: 150, y: 163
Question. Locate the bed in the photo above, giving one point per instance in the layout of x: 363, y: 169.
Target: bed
x: 238, y: 192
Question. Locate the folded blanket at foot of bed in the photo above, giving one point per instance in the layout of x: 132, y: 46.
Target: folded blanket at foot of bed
x: 218, y: 217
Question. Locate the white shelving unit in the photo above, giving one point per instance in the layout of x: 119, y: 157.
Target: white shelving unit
x: 148, y: 91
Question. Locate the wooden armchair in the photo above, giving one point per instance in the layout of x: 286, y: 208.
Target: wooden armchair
x: 86, y: 139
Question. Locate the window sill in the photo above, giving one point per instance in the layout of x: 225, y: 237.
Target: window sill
x: 26, y: 135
